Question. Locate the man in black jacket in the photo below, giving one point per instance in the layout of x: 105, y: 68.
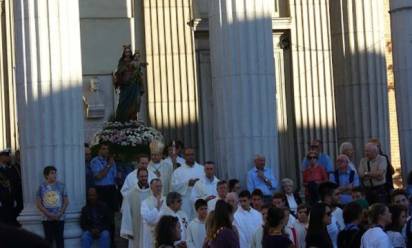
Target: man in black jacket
x: 95, y: 220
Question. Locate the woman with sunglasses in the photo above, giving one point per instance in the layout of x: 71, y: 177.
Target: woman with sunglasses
x: 317, y: 235
x: 313, y: 175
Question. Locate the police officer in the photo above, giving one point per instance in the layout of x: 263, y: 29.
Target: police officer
x: 8, y: 200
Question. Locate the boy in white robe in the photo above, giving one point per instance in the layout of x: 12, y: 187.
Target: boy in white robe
x: 184, y: 178
x: 150, y: 212
x: 159, y: 167
x: 196, y: 231
x: 132, y: 224
x: 132, y: 179
x: 222, y: 190
x: 173, y: 208
x: 247, y: 220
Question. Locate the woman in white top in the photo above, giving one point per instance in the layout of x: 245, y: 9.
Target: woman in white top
x: 394, y: 230
x: 292, y: 199
x: 376, y: 237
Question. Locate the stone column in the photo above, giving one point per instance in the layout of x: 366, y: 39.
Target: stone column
x: 359, y: 72
x: 313, y: 86
x: 401, y: 17
x: 243, y: 83
x: 49, y: 105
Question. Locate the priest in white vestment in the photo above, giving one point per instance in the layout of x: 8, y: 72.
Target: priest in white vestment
x: 150, y: 212
x: 196, y: 231
x: 206, y: 187
x: 131, y: 179
x: 247, y: 220
x: 159, y: 167
x: 184, y: 178
x: 174, y: 208
x: 222, y: 190
x: 132, y: 223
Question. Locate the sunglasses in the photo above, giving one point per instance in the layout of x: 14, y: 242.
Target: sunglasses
x: 312, y: 157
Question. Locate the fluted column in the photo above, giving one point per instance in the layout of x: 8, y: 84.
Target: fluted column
x: 243, y: 83
x: 313, y: 84
x: 359, y: 72
x: 401, y: 18
x: 50, y: 119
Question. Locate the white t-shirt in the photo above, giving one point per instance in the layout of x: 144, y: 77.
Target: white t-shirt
x: 396, y: 239
x: 375, y: 237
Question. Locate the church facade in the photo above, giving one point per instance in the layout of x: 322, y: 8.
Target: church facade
x: 232, y: 78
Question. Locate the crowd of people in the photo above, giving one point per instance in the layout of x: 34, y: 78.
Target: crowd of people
x: 170, y: 200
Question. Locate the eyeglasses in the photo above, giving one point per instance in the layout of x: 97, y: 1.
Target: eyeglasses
x: 312, y: 157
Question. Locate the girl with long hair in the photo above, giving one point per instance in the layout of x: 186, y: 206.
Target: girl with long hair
x: 220, y: 231
x: 167, y: 232
x: 319, y: 218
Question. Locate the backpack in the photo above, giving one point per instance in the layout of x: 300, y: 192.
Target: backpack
x: 351, y: 176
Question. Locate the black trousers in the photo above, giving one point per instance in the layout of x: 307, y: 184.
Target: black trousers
x: 53, y: 231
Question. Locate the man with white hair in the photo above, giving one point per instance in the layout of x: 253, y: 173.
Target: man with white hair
x: 345, y: 177
x: 347, y: 149
x: 372, y: 171
x: 162, y: 169
x: 260, y: 177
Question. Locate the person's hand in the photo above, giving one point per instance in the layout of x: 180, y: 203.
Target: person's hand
x: 210, y: 197
x: 181, y: 245
x: 192, y: 182
x: 261, y: 175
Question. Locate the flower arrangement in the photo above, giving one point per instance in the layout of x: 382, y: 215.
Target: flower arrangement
x: 126, y: 139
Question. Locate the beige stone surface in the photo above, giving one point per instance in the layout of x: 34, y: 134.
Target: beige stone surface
x: 102, y: 41
x: 105, y: 8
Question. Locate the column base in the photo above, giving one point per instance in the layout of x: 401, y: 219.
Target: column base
x: 31, y: 221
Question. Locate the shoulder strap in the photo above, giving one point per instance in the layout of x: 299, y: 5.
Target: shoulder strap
x: 351, y: 176
x: 337, y: 177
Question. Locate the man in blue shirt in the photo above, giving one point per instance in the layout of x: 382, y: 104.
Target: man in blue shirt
x: 261, y: 178
x: 104, y: 172
x: 323, y: 159
x: 345, y: 177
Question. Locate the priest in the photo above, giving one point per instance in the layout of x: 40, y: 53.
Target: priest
x: 131, y: 179
x: 150, y: 212
x: 162, y: 169
x: 132, y: 223
x: 184, y: 178
x: 174, y: 208
x: 205, y: 188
